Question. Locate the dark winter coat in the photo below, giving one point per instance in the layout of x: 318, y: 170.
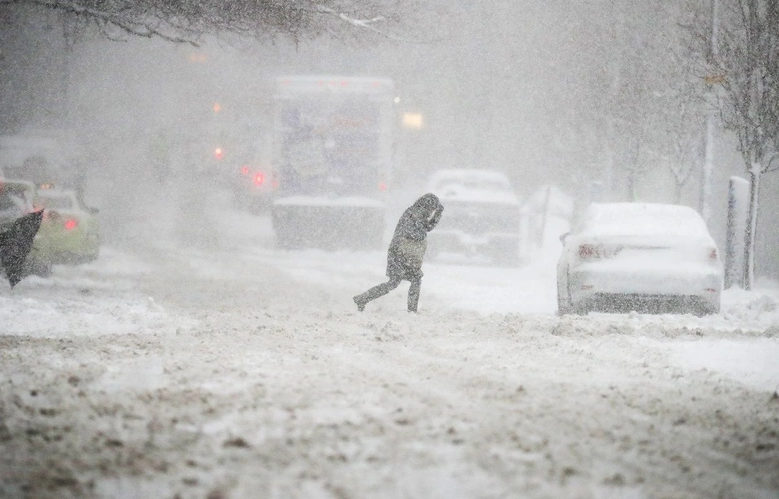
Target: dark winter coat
x: 409, y: 242
x: 16, y: 243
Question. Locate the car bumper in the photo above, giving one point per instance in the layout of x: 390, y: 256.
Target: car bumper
x: 598, y: 288
x: 59, y: 249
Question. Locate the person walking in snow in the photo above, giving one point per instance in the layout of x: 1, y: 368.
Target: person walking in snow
x: 406, y: 251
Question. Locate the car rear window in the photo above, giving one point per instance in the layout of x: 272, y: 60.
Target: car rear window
x: 643, y: 219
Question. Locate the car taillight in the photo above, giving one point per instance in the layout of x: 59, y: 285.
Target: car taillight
x: 244, y: 170
x: 597, y: 251
x: 382, y: 186
x: 591, y: 251
x: 71, y: 224
x: 259, y: 179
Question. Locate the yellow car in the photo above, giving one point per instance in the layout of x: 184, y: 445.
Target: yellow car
x: 70, y: 232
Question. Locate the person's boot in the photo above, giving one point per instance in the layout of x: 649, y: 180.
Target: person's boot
x: 360, y: 304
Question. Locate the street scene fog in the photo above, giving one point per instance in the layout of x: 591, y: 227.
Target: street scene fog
x: 389, y: 249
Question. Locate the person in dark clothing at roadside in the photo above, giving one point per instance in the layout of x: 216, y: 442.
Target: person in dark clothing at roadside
x: 407, y: 250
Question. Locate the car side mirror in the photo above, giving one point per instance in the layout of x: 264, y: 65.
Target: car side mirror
x: 563, y: 237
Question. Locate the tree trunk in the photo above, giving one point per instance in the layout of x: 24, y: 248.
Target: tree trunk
x: 749, y: 234
x: 678, y: 193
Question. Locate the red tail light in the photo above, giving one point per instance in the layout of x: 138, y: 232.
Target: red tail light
x: 259, y: 179
x: 382, y: 186
x: 244, y: 170
x: 71, y: 224
x: 597, y: 251
x: 591, y: 252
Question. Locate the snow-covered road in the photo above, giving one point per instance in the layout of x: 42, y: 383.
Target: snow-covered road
x: 233, y: 370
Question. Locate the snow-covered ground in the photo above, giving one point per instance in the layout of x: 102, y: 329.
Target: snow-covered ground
x: 219, y: 367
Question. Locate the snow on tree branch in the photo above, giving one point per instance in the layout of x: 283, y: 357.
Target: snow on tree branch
x: 187, y: 21
x: 360, y: 23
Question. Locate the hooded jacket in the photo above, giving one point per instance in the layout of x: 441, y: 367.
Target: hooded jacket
x: 409, y: 242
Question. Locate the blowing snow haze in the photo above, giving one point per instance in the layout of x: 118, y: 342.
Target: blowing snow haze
x: 220, y: 179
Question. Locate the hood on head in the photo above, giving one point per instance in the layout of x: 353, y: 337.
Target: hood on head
x: 428, y: 202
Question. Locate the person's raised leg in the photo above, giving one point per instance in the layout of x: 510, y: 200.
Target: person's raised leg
x: 375, y: 292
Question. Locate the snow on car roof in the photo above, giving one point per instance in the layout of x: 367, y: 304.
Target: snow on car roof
x: 475, y: 186
x: 642, y: 219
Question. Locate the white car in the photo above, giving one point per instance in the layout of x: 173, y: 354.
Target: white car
x: 639, y: 257
x: 481, y: 218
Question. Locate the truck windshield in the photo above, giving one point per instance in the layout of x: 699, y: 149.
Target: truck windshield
x: 330, y: 144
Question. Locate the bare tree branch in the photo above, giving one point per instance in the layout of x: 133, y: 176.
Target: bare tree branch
x: 187, y: 21
x: 747, y: 55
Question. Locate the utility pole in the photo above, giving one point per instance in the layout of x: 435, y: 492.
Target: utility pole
x: 708, y: 162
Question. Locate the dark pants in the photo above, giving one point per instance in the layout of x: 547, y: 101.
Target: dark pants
x: 385, y: 287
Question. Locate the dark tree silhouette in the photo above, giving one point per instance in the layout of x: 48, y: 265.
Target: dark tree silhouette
x: 187, y: 21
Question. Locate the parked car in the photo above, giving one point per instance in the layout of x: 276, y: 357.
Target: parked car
x: 70, y: 232
x: 639, y: 257
x: 16, y: 200
x: 481, y: 218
